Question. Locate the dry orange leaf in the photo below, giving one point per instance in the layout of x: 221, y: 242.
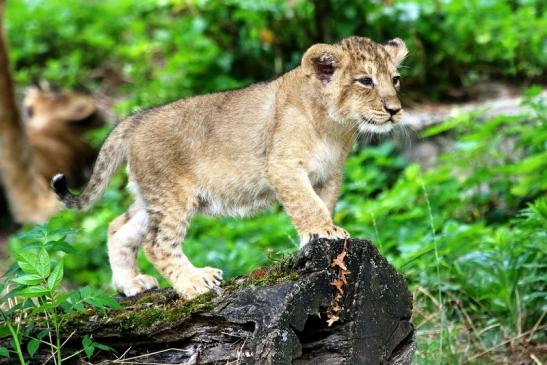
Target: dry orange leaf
x: 332, y: 319
x: 338, y: 283
x: 339, y: 260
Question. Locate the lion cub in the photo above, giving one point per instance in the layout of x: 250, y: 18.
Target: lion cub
x: 235, y: 152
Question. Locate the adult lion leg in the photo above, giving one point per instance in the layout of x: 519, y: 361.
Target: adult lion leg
x: 169, y: 220
x: 125, y: 236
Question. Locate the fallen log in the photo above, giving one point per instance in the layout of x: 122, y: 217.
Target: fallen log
x: 334, y: 302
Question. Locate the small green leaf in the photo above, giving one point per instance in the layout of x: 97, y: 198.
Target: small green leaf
x: 79, y: 307
x: 61, y: 300
x: 12, y: 270
x: 56, y: 277
x: 43, y: 333
x: 12, y: 293
x: 60, y: 246
x: 74, y: 297
x: 86, y: 341
x: 47, y: 306
x: 85, y: 292
x: 28, y: 262
x: 4, y: 352
x: 32, y: 346
x: 28, y: 279
x: 44, y: 263
x: 100, y: 346
x: 35, y: 234
x: 89, y: 349
x: 4, y: 331
x: 102, y: 301
x: 18, y: 307
x: 32, y: 245
x: 33, y: 291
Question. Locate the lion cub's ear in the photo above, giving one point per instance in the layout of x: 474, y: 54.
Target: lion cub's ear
x: 322, y: 60
x: 397, y: 50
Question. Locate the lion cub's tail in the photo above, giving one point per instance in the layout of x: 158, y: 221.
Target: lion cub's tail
x: 111, y: 156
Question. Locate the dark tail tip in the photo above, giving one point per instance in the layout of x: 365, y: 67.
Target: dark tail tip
x: 59, y: 185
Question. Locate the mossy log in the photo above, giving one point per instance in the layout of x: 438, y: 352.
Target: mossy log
x: 334, y: 302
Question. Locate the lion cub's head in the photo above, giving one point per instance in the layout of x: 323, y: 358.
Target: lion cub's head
x: 358, y: 81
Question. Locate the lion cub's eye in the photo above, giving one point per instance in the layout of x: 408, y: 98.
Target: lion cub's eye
x: 396, y: 80
x: 367, y: 81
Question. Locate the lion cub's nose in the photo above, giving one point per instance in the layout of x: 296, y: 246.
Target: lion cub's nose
x: 392, y: 109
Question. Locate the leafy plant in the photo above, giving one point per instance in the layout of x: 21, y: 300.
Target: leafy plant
x: 34, y: 302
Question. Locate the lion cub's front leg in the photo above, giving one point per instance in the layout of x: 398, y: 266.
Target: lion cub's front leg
x: 307, y: 210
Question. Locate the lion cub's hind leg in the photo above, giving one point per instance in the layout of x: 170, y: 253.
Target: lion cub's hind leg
x: 168, y: 221
x: 125, y: 236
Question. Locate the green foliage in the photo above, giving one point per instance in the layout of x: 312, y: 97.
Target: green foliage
x: 162, y: 50
x: 482, y: 253
x: 90, y: 346
x: 468, y: 233
x: 90, y: 248
x: 33, y: 302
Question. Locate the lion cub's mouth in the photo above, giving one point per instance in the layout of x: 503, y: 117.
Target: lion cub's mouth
x: 372, y: 126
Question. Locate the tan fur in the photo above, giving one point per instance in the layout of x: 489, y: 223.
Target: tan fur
x: 55, y: 124
x: 52, y: 142
x: 235, y: 152
x: 26, y: 192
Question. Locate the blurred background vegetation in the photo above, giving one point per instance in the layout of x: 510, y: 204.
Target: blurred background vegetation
x: 468, y: 232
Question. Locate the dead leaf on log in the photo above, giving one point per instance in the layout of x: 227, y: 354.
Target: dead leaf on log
x: 339, y: 283
x: 339, y: 260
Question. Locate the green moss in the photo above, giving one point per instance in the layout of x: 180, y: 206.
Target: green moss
x: 138, y: 320
x: 142, y: 314
x: 163, y: 308
x: 148, y: 313
x: 202, y: 303
x: 142, y: 317
x: 151, y: 297
x: 277, y: 273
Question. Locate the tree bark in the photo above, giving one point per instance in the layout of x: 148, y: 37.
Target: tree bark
x: 28, y: 195
x: 276, y: 315
x: 321, y: 13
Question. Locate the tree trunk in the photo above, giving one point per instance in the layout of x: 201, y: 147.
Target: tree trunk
x: 321, y: 13
x: 28, y: 195
x: 276, y: 315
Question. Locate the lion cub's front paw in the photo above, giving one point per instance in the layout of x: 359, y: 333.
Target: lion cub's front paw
x: 133, y: 286
x: 331, y: 232
x: 197, y: 281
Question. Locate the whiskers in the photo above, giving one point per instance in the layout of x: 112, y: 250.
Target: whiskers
x: 368, y: 131
x: 352, y: 131
x: 404, y: 134
x: 368, y: 136
x: 371, y: 132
